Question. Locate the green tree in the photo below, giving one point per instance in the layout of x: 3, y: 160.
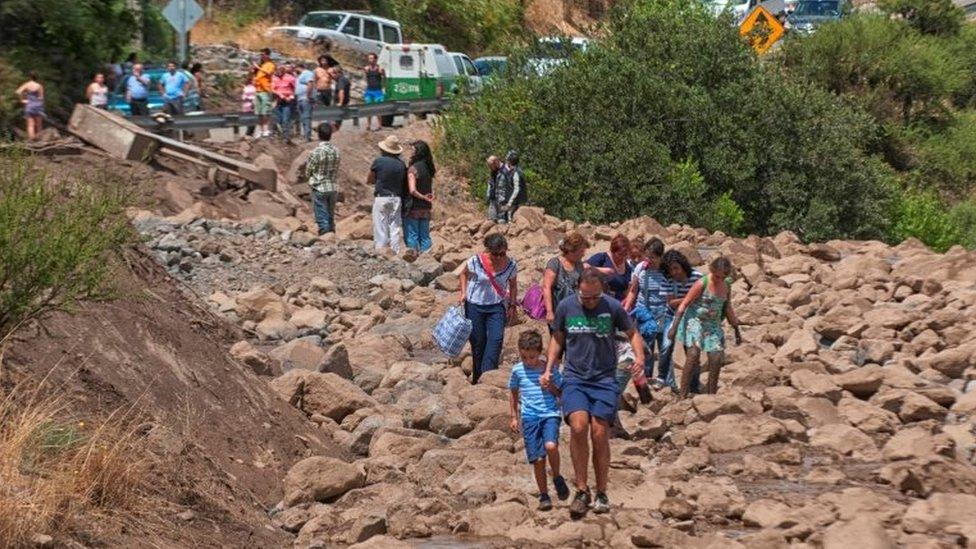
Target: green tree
x: 940, y: 17
x: 672, y: 115
x: 64, y: 42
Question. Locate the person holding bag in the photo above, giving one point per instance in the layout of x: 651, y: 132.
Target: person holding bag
x: 489, y: 286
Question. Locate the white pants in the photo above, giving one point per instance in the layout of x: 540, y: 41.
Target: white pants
x: 387, y: 223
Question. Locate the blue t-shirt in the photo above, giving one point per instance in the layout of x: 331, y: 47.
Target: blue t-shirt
x: 534, y: 401
x: 302, y: 83
x: 591, y: 352
x: 680, y: 289
x: 173, y: 84
x: 137, y: 88
x: 618, y: 283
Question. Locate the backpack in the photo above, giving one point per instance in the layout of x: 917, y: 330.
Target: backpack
x: 533, y: 303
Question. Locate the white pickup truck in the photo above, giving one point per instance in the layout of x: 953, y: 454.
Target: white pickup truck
x: 361, y: 32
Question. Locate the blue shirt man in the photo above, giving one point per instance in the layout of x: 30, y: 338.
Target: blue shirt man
x: 305, y: 79
x: 173, y: 83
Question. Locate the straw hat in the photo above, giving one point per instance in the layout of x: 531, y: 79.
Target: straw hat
x: 391, y: 145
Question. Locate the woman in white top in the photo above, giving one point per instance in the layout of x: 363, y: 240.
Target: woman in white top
x: 97, y: 92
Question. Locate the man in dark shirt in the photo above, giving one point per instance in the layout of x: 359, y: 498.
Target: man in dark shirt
x: 342, y: 87
x: 388, y: 176
x: 585, y: 325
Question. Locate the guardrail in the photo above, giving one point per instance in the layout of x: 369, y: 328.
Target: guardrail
x: 209, y: 121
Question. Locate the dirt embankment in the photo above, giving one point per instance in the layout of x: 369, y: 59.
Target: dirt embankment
x: 219, y: 439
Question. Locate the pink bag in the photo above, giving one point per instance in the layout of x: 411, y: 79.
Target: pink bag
x: 534, y: 303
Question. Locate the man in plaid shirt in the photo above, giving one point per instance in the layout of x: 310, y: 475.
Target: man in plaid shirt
x: 322, y: 171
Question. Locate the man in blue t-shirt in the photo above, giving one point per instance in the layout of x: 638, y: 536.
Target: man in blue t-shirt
x: 585, y: 324
x: 173, y: 84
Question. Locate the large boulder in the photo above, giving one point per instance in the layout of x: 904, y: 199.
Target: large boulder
x: 302, y: 353
x: 327, y: 394
x: 733, y: 432
x: 846, y: 441
x: 813, y: 384
x: 861, y: 382
x: 943, y: 513
x: 258, y: 304
x: 321, y: 479
x: 862, y: 533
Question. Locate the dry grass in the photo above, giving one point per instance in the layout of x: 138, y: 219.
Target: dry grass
x: 59, y: 476
x: 252, y: 36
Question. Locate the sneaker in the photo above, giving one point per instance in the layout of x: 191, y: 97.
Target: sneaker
x: 562, y: 490
x: 601, y: 504
x: 580, y: 505
x: 545, y: 502
x: 659, y: 383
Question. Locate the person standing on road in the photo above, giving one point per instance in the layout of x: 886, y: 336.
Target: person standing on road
x: 342, y: 87
x: 173, y: 85
x: 698, y: 324
x: 322, y: 172
x: 388, y: 177
x: 305, y: 94
x: 420, y: 186
x: 489, y: 286
x: 375, y: 75
x: 584, y: 327
x: 248, y: 97
x: 264, y: 72
x: 283, y: 87
x: 614, y: 267
x: 494, y: 181
x: 646, y: 298
x: 97, y: 92
x: 137, y: 91
x: 31, y: 95
x: 323, y: 81
x: 561, y: 277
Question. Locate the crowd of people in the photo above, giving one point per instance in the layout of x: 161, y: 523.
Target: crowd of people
x: 608, y: 317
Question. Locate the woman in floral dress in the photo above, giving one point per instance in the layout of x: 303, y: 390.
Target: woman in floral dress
x: 698, y: 324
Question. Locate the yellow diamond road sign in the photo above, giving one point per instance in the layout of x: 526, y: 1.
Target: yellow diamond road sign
x: 762, y: 29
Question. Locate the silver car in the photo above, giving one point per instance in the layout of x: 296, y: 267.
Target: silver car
x: 354, y: 31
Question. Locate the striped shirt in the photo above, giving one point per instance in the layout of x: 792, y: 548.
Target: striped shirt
x: 653, y: 287
x: 534, y: 401
x: 681, y: 289
x: 480, y: 291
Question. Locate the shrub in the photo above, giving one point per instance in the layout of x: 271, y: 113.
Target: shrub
x: 940, y: 17
x: 671, y: 115
x: 55, y: 240
x: 947, y: 160
x: 963, y: 218
x: 922, y: 215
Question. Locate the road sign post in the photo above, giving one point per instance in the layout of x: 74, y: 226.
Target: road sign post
x: 183, y: 15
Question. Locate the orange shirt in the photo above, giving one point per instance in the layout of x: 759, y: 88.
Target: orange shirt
x: 262, y: 78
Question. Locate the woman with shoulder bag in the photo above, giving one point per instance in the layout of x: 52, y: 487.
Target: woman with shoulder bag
x: 489, y: 287
x: 562, y: 275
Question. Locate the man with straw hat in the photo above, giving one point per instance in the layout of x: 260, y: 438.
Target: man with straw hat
x: 388, y: 176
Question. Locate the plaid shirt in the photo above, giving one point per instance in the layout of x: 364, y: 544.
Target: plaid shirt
x: 322, y: 169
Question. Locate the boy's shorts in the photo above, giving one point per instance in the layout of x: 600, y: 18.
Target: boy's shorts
x: 262, y: 103
x: 537, y: 432
x: 372, y: 96
x: 595, y: 397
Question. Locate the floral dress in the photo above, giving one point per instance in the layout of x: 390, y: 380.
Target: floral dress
x: 701, y: 325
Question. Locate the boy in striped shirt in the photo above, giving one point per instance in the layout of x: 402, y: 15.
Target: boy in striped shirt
x: 540, y: 415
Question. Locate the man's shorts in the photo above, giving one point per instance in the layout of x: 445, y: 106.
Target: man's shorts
x: 262, y: 103
x: 597, y: 397
x: 372, y: 96
x: 537, y: 432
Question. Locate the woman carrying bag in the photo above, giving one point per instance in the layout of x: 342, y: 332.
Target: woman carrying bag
x: 489, y: 287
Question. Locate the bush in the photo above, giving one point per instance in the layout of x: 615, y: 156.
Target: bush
x: 947, y: 160
x: 923, y: 216
x: 672, y: 95
x: 55, y: 240
x: 894, y: 72
x: 963, y: 218
x: 940, y: 17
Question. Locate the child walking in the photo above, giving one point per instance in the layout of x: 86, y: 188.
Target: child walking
x: 538, y: 409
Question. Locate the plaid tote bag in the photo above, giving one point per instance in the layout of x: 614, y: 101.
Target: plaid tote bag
x: 452, y: 332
